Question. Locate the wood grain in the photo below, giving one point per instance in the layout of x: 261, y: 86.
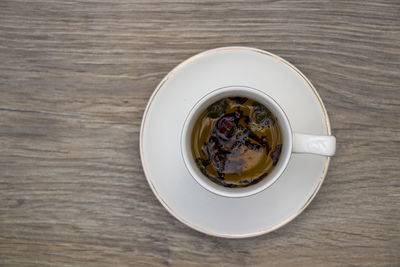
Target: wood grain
x: 75, y: 77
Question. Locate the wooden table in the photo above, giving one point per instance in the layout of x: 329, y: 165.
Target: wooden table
x: 75, y: 77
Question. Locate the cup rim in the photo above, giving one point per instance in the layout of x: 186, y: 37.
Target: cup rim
x: 205, y: 182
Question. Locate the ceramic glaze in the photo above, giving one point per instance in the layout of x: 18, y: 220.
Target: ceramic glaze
x: 161, y: 132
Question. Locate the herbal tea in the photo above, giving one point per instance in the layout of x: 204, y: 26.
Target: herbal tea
x: 236, y: 142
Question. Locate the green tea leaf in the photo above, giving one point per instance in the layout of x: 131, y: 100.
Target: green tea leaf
x: 217, y: 109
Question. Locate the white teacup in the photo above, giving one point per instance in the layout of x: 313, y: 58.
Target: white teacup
x: 291, y: 142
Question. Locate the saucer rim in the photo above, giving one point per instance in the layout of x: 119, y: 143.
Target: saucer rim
x: 158, y: 88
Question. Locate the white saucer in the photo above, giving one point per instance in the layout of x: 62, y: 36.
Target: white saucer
x: 162, y: 124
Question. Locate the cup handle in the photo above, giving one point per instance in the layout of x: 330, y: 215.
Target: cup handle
x: 324, y: 145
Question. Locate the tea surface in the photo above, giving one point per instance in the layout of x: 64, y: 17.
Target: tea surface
x: 236, y: 142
